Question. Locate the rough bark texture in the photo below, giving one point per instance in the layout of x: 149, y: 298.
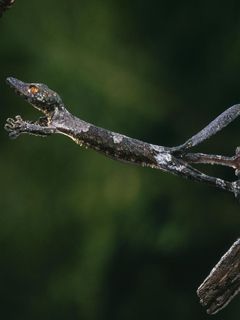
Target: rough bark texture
x: 223, y: 283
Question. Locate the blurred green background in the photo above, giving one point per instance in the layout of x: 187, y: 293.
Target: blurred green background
x: 84, y: 237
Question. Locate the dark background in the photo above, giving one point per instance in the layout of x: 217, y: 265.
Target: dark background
x: 82, y: 236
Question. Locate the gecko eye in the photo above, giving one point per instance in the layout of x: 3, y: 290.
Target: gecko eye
x: 33, y: 89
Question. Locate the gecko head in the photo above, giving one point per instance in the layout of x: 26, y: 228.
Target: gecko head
x: 38, y: 95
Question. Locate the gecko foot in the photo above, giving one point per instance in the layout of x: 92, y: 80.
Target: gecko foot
x: 15, y: 126
x: 237, y: 162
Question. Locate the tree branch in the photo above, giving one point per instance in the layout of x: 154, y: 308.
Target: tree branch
x: 5, y: 4
x: 223, y: 282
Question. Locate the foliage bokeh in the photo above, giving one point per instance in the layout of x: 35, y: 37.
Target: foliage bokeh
x: 82, y: 236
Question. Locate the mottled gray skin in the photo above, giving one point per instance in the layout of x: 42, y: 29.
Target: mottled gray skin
x: 38, y: 95
x: 57, y: 119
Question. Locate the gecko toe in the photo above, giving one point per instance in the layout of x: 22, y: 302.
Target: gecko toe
x: 15, y: 126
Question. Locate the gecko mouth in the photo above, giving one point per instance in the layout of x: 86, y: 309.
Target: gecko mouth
x: 19, y: 93
x: 16, y: 85
x: 12, y: 81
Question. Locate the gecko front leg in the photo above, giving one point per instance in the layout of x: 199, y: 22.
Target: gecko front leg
x: 17, y: 126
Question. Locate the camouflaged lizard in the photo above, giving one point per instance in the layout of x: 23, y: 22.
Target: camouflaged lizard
x: 176, y: 160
